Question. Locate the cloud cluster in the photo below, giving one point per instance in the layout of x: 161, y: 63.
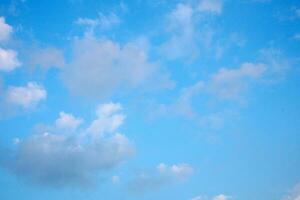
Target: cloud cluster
x: 69, y: 155
x: 161, y: 176
x: 100, y: 67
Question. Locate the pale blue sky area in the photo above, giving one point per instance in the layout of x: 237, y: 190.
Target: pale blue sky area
x: 150, y: 100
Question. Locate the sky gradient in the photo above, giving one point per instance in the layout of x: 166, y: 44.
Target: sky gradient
x: 150, y: 100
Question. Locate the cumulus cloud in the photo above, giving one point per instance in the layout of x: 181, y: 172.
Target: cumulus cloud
x: 8, y: 60
x: 68, y: 158
x: 163, y: 175
x: 26, y: 96
x: 5, y: 30
x: 211, y: 6
x: 46, y: 58
x: 99, y: 67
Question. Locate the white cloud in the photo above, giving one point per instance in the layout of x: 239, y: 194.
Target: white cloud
x: 163, y: 175
x: 211, y: 6
x: 5, y: 30
x: 101, y: 67
x: 55, y: 158
x: 46, y: 58
x: 67, y: 121
x: 26, y: 96
x: 8, y: 60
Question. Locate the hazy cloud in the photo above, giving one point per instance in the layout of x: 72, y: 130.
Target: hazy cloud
x: 46, y: 58
x: 99, y: 67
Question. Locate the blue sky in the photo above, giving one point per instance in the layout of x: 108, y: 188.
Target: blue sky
x: 153, y: 99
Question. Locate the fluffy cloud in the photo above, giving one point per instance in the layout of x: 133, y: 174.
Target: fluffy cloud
x: 211, y: 6
x: 100, y: 67
x: 5, y: 30
x: 163, y: 175
x: 46, y: 57
x: 8, y: 60
x: 26, y: 96
x: 66, y: 158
